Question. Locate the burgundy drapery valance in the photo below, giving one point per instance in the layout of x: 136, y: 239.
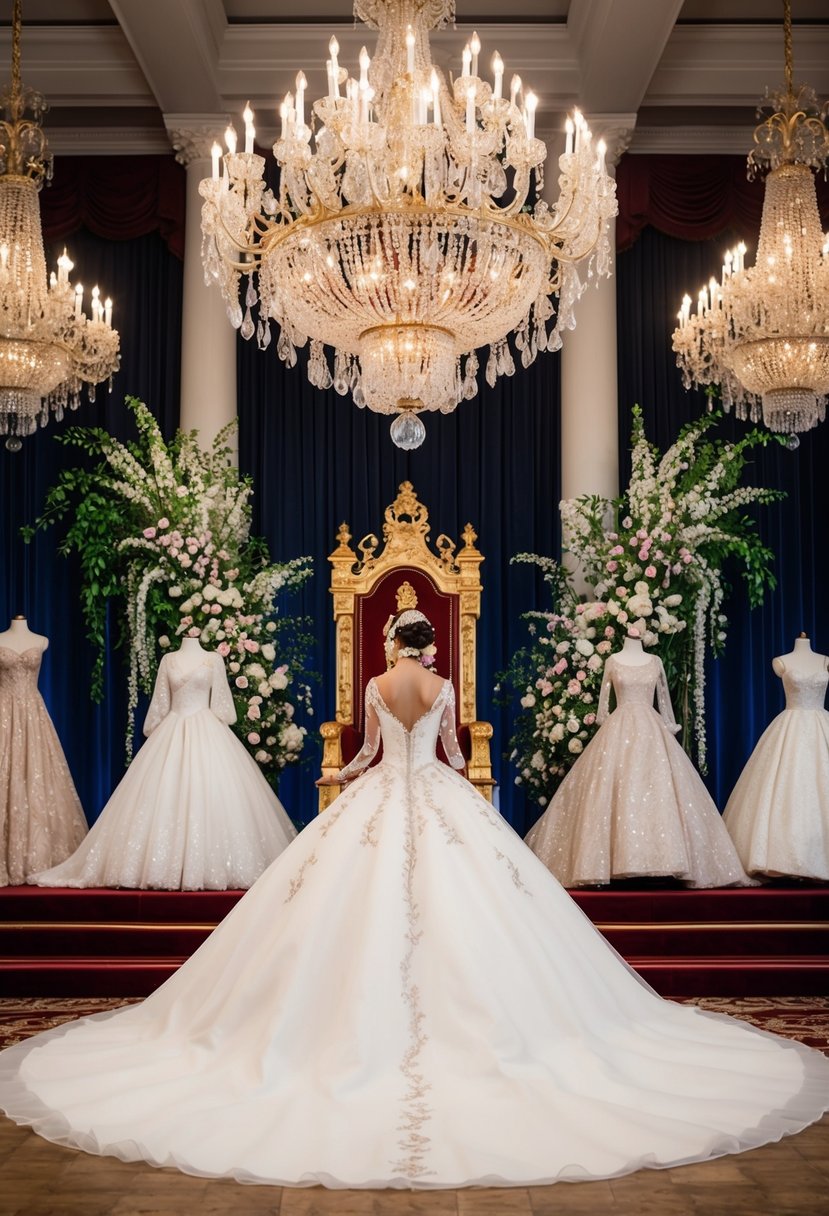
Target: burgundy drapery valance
x: 693, y: 198
x: 116, y: 197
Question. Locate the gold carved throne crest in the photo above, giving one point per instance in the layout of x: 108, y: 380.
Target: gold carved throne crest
x: 378, y: 579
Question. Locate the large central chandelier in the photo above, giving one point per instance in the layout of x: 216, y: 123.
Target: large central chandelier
x: 762, y: 332
x: 408, y: 230
x: 49, y: 349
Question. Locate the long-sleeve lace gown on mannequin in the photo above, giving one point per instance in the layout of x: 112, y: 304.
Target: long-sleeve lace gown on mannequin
x: 633, y: 805
x: 778, y: 813
x: 407, y: 998
x: 41, y: 820
x: 193, y: 812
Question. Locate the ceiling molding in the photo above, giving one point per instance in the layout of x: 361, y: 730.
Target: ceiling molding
x: 691, y: 141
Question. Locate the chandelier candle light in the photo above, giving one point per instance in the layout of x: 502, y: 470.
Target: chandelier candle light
x: 762, y: 332
x: 401, y: 235
x: 49, y: 349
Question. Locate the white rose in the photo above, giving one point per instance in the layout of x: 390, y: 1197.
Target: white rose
x: 256, y: 670
x: 642, y: 588
x: 575, y: 746
x: 672, y: 601
x: 584, y: 647
x: 278, y: 680
x: 174, y: 592
x: 210, y: 592
x: 164, y: 641
x: 557, y: 733
x: 234, y: 667
x: 648, y: 638
x: 562, y: 648
x: 612, y: 607
x: 262, y: 756
x: 537, y: 761
x: 572, y: 726
x: 271, y: 626
x: 268, y: 652
x: 594, y: 662
x: 264, y: 688
x: 528, y: 701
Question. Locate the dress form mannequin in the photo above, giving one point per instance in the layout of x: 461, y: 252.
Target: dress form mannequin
x: 801, y: 658
x: 633, y: 651
x: 191, y: 654
x: 19, y: 637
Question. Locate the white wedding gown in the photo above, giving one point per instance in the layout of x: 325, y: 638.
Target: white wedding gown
x: 778, y: 813
x: 633, y: 805
x: 407, y: 998
x: 193, y: 811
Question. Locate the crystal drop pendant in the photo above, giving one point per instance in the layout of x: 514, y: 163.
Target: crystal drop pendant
x: 793, y: 441
x: 407, y: 431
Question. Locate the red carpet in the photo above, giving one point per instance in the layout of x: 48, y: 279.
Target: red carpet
x: 768, y: 941
x: 803, y: 1018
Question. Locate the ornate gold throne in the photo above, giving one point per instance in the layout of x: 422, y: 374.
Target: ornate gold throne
x: 370, y: 585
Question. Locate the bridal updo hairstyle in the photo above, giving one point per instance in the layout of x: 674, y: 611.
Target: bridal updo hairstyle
x: 417, y: 635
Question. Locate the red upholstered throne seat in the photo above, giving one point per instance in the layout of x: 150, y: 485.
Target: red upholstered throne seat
x: 368, y: 589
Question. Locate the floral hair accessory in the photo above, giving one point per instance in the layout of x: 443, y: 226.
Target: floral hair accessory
x: 410, y: 616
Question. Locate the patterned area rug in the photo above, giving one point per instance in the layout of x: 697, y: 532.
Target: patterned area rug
x: 805, y: 1018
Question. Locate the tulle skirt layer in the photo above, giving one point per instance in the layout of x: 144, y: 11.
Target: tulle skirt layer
x: 193, y: 812
x: 407, y: 998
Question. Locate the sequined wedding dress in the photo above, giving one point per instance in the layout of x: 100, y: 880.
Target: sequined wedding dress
x: 41, y: 819
x: 193, y: 812
x: 633, y: 805
x: 407, y: 998
x: 778, y: 814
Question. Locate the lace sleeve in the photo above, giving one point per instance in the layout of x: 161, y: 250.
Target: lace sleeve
x: 604, y: 694
x: 160, y: 703
x: 221, y: 698
x: 663, y: 699
x: 448, y: 732
x: 368, y: 751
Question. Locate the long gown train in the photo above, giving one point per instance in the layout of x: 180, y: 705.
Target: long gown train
x: 407, y: 998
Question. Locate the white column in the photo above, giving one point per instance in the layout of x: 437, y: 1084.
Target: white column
x: 589, y: 381
x: 208, y: 340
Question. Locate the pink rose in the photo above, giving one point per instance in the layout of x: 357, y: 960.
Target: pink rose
x: 589, y: 719
x: 164, y: 523
x: 612, y: 567
x: 253, y: 737
x: 254, y: 713
x: 223, y: 649
x: 149, y: 533
x: 251, y: 646
x: 609, y: 632
x: 581, y: 675
x: 215, y: 609
x: 616, y: 551
x: 650, y: 572
x: 574, y: 688
x: 560, y: 666
x: 687, y: 558
x: 643, y: 555
x: 633, y: 542
x: 603, y: 647
x: 164, y: 540
x: 173, y: 551
x: 241, y: 681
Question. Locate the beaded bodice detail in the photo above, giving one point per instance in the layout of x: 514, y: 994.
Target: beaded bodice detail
x: 634, y: 685
x: 805, y: 690
x: 19, y: 669
x: 408, y: 749
x: 184, y: 688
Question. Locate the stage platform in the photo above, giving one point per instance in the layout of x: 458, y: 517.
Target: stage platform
x: 764, y: 941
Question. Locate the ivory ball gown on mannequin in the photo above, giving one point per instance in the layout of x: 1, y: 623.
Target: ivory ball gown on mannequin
x: 778, y: 813
x: 193, y: 811
x: 407, y: 998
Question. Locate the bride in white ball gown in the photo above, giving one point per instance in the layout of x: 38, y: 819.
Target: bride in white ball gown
x: 408, y: 998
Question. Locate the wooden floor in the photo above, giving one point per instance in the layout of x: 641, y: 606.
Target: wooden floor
x: 786, y: 1179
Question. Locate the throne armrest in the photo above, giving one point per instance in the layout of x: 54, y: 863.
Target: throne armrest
x: 332, y: 759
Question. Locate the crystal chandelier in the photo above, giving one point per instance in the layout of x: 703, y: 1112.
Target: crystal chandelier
x: 405, y: 234
x: 48, y: 348
x: 762, y: 333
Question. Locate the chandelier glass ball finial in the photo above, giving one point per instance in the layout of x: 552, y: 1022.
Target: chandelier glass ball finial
x: 407, y: 232
x: 408, y: 430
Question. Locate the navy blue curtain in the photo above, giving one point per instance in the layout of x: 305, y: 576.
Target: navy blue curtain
x: 145, y: 281
x: 743, y: 692
x: 317, y: 460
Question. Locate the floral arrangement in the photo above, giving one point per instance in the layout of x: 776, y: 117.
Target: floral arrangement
x: 164, y: 529
x: 653, y: 560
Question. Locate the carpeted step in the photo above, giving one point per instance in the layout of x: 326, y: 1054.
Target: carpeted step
x: 65, y: 975
x: 784, y: 975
